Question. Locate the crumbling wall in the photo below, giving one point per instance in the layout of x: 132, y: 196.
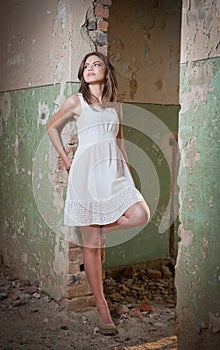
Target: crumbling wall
x: 144, y: 46
x: 198, y: 265
x: 41, y: 45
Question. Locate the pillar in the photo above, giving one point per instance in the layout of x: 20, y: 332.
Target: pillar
x: 198, y: 263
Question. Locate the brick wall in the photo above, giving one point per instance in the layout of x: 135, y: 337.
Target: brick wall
x: 77, y: 293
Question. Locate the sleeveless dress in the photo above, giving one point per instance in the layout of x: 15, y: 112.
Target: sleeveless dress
x: 100, y: 187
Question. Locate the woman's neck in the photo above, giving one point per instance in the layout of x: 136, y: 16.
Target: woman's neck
x: 96, y: 90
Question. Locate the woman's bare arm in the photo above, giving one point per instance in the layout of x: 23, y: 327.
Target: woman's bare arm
x: 120, y: 138
x: 68, y: 110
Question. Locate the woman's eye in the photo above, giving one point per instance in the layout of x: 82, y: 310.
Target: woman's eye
x: 97, y: 64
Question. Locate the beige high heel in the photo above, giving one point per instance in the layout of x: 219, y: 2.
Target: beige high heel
x: 107, y: 328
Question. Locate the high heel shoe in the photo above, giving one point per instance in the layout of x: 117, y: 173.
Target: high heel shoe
x: 107, y: 328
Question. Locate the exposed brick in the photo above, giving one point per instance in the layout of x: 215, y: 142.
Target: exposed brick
x: 99, y: 10
x: 106, y: 12
x: 75, y: 254
x: 79, y: 303
x: 91, y: 24
x: 102, y: 25
x: 74, y: 267
x: 75, y: 279
x: 102, y: 49
x: 77, y: 291
x: 98, y: 37
x: 104, y: 2
x: 72, y: 245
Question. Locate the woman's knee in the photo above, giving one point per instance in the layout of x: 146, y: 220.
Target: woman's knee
x: 142, y: 214
x: 91, y: 237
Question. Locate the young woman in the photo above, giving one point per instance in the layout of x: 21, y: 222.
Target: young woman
x: 101, y: 196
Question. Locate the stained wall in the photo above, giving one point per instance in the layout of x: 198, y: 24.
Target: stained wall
x: 198, y: 264
x: 41, y: 45
x: 144, y: 47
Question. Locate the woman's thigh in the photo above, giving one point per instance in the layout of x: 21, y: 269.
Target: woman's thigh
x: 91, y: 236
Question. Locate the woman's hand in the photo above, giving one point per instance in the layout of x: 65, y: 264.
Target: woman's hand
x: 67, y: 163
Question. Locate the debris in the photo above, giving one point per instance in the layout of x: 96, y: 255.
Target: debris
x: 144, y: 306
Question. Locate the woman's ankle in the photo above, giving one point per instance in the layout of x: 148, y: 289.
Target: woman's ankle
x: 103, y: 313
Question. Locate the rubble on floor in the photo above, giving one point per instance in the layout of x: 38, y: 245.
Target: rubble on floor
x: 141, y: 298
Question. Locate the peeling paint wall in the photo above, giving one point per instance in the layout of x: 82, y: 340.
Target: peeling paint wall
x: 144, y: 47
x: 198, y: 264
x: 27, y: 245
x: 144, y: 42
x: 41, y: 42
x: 41, y: 47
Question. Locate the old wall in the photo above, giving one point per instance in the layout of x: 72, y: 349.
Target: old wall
x: 198, y: 265
x: 41, y: 42
x: 144, y: 46
x: 41, y: 45
x: 42, y: 48
x: 144, y: 41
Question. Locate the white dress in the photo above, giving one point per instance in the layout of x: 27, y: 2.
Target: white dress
x: 100, y: 187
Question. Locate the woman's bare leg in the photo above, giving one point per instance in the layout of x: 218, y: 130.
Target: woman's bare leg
x: 93, y: 267
x: 137, y: 215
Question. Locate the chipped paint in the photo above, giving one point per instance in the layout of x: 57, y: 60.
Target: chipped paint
x: 190, y: 156
x: 147, y: 64
x: 5, y: 106
x: 197, y: 268
x: 44, y: 112
x: 199, y: 81
x: 46, y: 53
x: 16, y: 155
x: 60, y: 20
x: 1, y: 125
x: 186, y: 236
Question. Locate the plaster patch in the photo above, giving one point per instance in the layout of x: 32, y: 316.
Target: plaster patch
x: 200, y: 77
x: 16, y: 155
x: 159, y: 84
x: 5, y: 105
x: 89, y: 24
x: 60, y: 260
x: 1, y: 125
x: 15, y: 60
x: 44, y: 113
x: 186, y: 236
x: 189, y: 154
x: 124, y: 68
x: 142, y: 17
x: 60, y: 19
x: 61, y: 98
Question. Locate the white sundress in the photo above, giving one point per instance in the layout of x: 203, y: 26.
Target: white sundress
x: 100, y: 186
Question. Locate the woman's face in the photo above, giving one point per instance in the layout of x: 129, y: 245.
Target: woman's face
x: 94, y: 70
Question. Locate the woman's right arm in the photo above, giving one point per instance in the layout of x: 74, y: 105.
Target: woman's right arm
x: 69, y: 108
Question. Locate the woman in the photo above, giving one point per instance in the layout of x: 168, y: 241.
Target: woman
x: 101, y: 196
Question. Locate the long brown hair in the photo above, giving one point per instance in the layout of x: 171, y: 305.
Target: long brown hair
x: 110, y: 91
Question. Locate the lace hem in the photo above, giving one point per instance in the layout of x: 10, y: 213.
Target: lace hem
x: 102, y: 212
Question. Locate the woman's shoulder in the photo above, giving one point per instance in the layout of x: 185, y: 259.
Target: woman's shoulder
x: 73, y: 101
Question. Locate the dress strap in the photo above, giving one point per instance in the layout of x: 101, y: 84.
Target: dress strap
x: 83, y: 102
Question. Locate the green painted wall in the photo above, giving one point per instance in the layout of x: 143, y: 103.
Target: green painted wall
x: 149, y: 244
x: 198, y: 266
x: 23, y: 229
x: 27, y: 245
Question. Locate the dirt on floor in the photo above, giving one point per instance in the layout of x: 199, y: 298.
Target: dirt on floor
x: 141, y: 299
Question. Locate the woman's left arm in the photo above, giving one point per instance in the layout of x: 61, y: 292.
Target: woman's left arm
x: 120, y: 138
